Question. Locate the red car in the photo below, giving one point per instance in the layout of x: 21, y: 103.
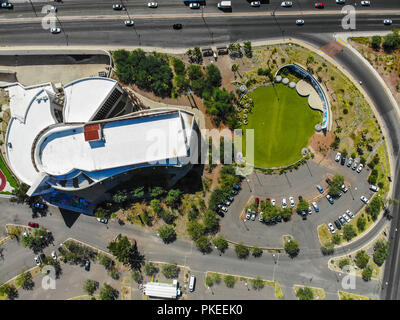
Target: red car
x: 257, y: 200
x: 268, y: 199
x: 319, y: 5
x: 33, y: 224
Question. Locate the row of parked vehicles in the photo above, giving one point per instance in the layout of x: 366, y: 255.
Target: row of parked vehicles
x: 341, y: 221
x: 222, y: 208
x: 353, y: 163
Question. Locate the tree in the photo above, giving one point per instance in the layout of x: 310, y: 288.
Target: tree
x: 336, y: 238
x: 343, y: 262
x: 327, y: 249
x: 241, y: 250
x: 335, y: 184
x: 19, y: 194
x: 168, y: 216
x: 286, y: 213
x: 374, y: 207
x: 195, y: 229
x: 137, y: 276
x: 167, y: 233
x: 367, y: 273
x: 203, y: 244
x: 248, y: 50
x: 221, y: 243
x: 361, y: 223
x: 213, y: 76
x: 24, y: 280
x: 105, y: 261
x: 305, y: 293
x: 108, y: 293
x: 126, y: 252
x: 170, y: 270
x: 349, y: 232
x: 211, y: 222
x: 209, y: 281
x: 9, y: 291
x: 381, y: 251
x: 157, y: 192
x: 173, y: 199
x: 257, y: 283
x: 193, y: 212
x: 150, y: 269
x: 302, y: 206
x: 257, y: 252
x: 292, y: 248
x: 361, y: 259
x: 391, y: 41
x: 120, y: 197
x: 90, y: 286
x: 229, y: 281
x: 138, y: 193
x: 217, y: 196
x: 179, y: 66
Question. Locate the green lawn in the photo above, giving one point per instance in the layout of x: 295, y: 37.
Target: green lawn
x: 281, y: 127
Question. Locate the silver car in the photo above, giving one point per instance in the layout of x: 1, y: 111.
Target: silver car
x: 55, y: 30
x: 366, y: 3
x: 194, y: 5
x: 152, y: 4
x: 286, y: 4
x: 255, y: 3
x: 350, y: 214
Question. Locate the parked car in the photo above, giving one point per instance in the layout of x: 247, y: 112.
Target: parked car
x: 320, y: 189
x: 248, y: 214
x: 257, y: 200
x: 236, y: 187
x: 253, y: 215
x: 337, y: 157
x: 234, y: 192
x: 350, y: 214
x: 304, y: 215
x: 273, y: 202
x: 284, y: 204
x: 349, y: 162
x: 346, y: 217
x: 224, y: 209
x: 328, y: 181
x: 343, y: 161
x: 231, y: 199
x: 338, y: 225
x: 54, y: 255
x: 227, y: 203
x: 33, y: 224
x: 331, y: 228
x: 37, y: 260
x: 255, y: 3
x: 374, y: 188
x: 260, y: 218
x: 344, y: 188
x: 366, y: 3
x: 355, y: 164
x: 87, y: 265
x: 291, y: 199
x: 330, y: 199
x: 342, y: 221
x: 360, y: 167
x: 316, y: 208
x: 279, y: 218
x: 364, y: 199
x: 309, y: 210
x: 102, y: 220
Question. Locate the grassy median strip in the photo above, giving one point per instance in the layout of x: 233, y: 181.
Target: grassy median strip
x: 313, y: 293
x: 352, y: 296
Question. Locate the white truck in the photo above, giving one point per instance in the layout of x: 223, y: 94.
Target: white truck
x: 224, y: 4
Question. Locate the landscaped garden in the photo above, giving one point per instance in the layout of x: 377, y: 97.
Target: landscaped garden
x: 282, y: 122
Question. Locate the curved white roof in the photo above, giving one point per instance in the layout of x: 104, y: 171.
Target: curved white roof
x: 84, y: 97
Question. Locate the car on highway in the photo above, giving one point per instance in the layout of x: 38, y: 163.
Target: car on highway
x: 194, y: 5
x: 337, y: 157
x: 177, y: 26
x: 343, y: 161
x: 87, y: 265
x: 291, y: 199
x: 284, y: 204
x: 319, y: 5
x: 364, y: 199
x: 117, y: 6
x: 320, y: 189
x: 129, y: 23
x: 350, y: 214
x: 346, y: 217
x: 360, y: 167
x: 102, y: 220
x: 273, y: 201
x: 7, y: 5
x: 330, y: 199
x: 331, y: 228
x: 299, y: 22
x: 255, y: 4
x: 342, y: 221
x: 37, y: 260
x: 366, y: 3
x: 52, y: 9
x: 316, y: 208
x: 340, y: 1
x: 54, y: 255
x: 286, y: 4
x: 33, y: 224
x: 350, y: 162
x: 248, y: 214
x: 344, y: 188
x: 374, y: 188
x: 337, y: 224
x: 55, y: 30
x: 387, y: 22
x: 355, y: 164
x: 152, y: 4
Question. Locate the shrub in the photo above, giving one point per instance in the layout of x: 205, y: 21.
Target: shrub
x: 305, y: 294
x: 229, y: 281
x: 241, y: 250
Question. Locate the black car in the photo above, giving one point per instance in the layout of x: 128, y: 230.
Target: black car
x: 343, y: 161
x: 338, y: 225
x: 177, y: 26
x: 300, y: 198
x: 279, y: 219
x: 87, y: 265
x: 328, y: 181
x: 304, y: 215
x: 342, y: 221
x: 220, y: 213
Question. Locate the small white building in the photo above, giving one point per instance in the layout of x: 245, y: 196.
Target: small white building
x: 162, y: 290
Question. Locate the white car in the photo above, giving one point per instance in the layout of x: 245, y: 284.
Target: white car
x: 273, y: 202
x: 253, y: 216
x: 350, y: 214
x: 37, y: 260
x: 316, y: 208
x: 284, y: 204
x: 248, y: 214
x: 364, y: 199
x: 255, y: 3
x: 344, y: 188
x: 25, y: 234
x: 260, y: 218
x: 331, y: 228
x: 102, y: 220
x: 152, y: 4
x: 117, y: 6
x: 387, y: 22
x: 291, y: 199
x: 55, y: 30
x: 129, y: 23
x: 52, y: 9
x: 355, y: 164
x: 309, y: 210
x: 360, y: 167
x: 346, y: 217
x: 366, y: 3
x: 340, y: 1
x: 374, y: 188
x: 286, y: 4
x: 54, y: 255
x: 299, y: 22
x: 224, y: 209
x: 194, y: 5
x: 337, y: 157
x: 7, y: 5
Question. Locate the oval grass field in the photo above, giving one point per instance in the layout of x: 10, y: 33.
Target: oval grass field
x: 282, y: 122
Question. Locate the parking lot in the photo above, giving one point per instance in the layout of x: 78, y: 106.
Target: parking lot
x: 298, y: 182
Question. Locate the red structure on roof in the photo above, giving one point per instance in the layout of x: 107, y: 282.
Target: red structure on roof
x: 92, y: 132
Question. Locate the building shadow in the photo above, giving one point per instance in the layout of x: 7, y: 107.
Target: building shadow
x: 69, y: 217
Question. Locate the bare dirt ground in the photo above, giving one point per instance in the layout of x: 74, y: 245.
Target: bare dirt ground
x: 321, y: 143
